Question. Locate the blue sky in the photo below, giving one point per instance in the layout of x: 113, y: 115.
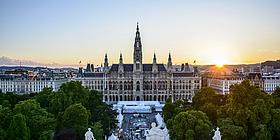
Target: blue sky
x: 209, y: 31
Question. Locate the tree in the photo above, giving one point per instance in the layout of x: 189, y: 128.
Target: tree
x: 38, y: 119
x: 276, y: 97
x: 101, y: 111
x: 76, y: 116
x: 248, y: 108
x: 208, y: 101
x: 69, y: 93
x: 168, y: 111
x: 5, y: 120
x: 191, y: 125
x: 14, y: 98
x: 72, y: 93
x: 46, y: 135
x: 5, y: 117
x: 18, y: 129
x: 230, y: 131
x: 44, y: 97
x: 275, y: 123
x: 98, y: 131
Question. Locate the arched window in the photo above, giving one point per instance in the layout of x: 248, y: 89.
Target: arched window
x: 138, y: 86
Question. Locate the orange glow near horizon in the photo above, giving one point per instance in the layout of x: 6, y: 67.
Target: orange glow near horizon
x: 219, y: 65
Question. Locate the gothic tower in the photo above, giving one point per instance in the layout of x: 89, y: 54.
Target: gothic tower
x: 155, y: 67
x: 121, y: 69
x: 137, y: 68
x: 137, y: 54
x: 106, y: 63
x: 169, y: 63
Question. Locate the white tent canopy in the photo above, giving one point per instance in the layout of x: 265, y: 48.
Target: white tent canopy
x: 137, y: 109
x: 138, y: 103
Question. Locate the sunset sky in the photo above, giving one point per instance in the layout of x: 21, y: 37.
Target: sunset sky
x: 208, y: 31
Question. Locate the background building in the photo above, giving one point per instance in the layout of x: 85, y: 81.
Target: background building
x: 22, y: 82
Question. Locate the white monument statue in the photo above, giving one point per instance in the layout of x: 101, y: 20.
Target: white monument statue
x: 217, y: 135
x: 166, y: 133
x: 113, y: 137
x: 120, y: 119
x: 155, y: 133
x: 89, y: 135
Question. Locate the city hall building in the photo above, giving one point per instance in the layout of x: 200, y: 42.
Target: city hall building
x: 138, y: 81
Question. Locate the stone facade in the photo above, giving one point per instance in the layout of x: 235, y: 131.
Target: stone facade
x: 22, y: 83
x: 142, y: 82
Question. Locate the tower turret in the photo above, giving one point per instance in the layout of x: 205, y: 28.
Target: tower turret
x: 121, y: 69
x: 169, y: 63
x: 106, y: 63
x: 155, y: 66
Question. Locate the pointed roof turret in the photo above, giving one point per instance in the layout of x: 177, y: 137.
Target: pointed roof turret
x: 121, y: 69
x: 169, y: 62
x: 155, y: 66
x: 106, y: 63
x: 121, y: 59
x: 155, y: 58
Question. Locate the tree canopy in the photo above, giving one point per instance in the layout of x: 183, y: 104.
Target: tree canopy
x: 18, y: 129
x: 50, y: 113
x: 191, y: 125
x: 245, y: 113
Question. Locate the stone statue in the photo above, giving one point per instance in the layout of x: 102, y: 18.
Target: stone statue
x: 217, y: 135
x: 89, y: 135
x: 155, y: 133
x: 113, y: 137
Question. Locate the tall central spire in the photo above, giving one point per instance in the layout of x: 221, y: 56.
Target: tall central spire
x: 137, y: 55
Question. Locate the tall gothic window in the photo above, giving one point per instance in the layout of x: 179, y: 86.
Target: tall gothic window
x: 138, y: 86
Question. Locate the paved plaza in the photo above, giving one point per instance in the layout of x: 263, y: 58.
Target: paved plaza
x: 135, y: 125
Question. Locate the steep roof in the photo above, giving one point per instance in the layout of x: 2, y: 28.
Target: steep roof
x: 92, y: 74
x: 183, y: 74
x: 129, y: 67
x: 254, y: 75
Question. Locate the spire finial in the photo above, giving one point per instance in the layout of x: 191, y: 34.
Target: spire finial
x: 137, y: 28
x: 121, y: 59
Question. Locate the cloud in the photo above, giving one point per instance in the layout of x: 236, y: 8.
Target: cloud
x: 6, y: 61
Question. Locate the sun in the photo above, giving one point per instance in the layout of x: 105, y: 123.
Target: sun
x: 220, y: 65
x: 218, y: 55
x: 220, y: 62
